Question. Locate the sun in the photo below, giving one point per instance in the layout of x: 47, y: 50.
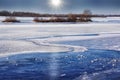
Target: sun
x: 56, y: 3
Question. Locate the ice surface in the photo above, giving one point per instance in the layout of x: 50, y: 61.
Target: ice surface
x: 88, y: 65
x: 87, y: 51
x: 100, y: 75
x: 16, y: 38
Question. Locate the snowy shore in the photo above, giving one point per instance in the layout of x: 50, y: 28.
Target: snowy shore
x: 15, y: 39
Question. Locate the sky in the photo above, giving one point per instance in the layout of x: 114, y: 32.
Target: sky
x: 67, y: 6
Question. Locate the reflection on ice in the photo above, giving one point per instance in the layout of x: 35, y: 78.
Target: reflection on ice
x: 53, y: 67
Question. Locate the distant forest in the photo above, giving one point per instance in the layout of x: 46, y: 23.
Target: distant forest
x: 83, y: 17
x: 86, y: 13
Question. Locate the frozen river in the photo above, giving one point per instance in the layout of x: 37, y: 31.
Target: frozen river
x: 60, y: 51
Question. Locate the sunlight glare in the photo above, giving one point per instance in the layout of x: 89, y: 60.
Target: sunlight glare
x: 56, y: 3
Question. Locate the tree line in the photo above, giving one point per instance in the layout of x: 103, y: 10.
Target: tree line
x: 84, y: 17
x: 32, y: 14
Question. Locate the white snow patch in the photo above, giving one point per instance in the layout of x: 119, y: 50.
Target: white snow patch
x: 42, y: 37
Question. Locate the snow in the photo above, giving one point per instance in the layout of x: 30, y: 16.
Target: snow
x: 43, y: 37
x: 107, y: 19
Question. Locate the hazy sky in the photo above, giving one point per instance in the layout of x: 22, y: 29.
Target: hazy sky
x: 67, y: 6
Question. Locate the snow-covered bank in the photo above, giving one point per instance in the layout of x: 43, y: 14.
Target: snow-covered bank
x: 107, y: 20
x: 29, y: 20
x: 43, y: 37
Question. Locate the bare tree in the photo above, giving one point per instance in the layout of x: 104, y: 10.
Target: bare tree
x: 11, y: 19
x: 72, y: 17
x: 87, y: 12
x: 87, y: 15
